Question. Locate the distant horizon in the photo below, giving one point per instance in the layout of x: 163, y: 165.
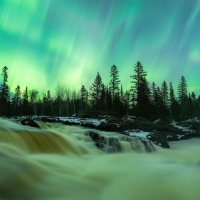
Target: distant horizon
x: 44, y: 43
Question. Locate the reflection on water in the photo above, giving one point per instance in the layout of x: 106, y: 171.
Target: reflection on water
x: 62, y: 162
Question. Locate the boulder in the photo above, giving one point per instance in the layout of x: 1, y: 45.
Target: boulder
x: 50, y: 119
x: 70, y: 123
x: 29, y: 122
x: 158, y: 139
x: 146, y: 125
x: 112, y: 144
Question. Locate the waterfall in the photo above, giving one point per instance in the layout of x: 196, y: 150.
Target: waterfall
x: 66, y: 162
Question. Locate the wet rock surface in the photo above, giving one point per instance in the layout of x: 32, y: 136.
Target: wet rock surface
x: 113, y: 144
x: 160, y: 131
x: 29, y: 122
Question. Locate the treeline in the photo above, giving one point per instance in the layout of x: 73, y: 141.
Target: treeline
x: 142, y: 99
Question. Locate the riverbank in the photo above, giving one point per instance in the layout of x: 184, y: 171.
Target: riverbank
x: 160, y: 132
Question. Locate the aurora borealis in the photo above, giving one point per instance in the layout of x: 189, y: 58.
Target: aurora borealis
x: 43, y: 42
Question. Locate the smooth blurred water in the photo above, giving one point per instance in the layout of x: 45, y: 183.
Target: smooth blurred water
x: 62, y: 162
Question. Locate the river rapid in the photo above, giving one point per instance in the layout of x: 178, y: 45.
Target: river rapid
x: 62, y: 162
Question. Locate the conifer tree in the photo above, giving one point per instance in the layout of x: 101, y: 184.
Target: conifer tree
x: 198, y: 106
x: 103, y: 98
x: 140, y: 90
x: 25, y: 102
x: 114, y: 82
x: 33, y: 100
x: 127, y: 102
x: 171, y: 94
x: 136, y: 80
x: 95, y: 93
x: 158, y: 101
x: 182, y: 94
x: 108, y: 100
x: 139, y: 73
x: 153, y: 93
x: 84, y: 97
x: 121, y: 93
x: 49, y: 104
x: 164, y: 94
x: 189, y: 106
x: 171, y: 98
x: 143, y: 99
x: 194, y: 102
x: 17, y: 101
x: 4, y: 93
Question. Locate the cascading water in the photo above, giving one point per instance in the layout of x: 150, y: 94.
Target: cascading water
x: 66, y: 162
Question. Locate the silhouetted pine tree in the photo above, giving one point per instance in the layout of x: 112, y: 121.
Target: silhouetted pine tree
x: 103, y: 99
x: 25, y: 104
x: 127, y: 102
x: 155, y: 98
x: 158, y: 102
x: 182, y: 95
x: 84, y: 98
x: 171, y: 98
x: 153, y: 93
x: 95, y: 93
x: 17, y: 101
x: 139, y: 73
x: 164, y: 97
x: 143, y: 106
x: 4, y: 93
x: 164, y: 92
x: 198, y: 106
x: 114, y: 82
x: 194, y: 103
x: 33, y: 94
x: 108, y: 101
x: 49, y: 104
x: 141, y: 91
x: 171, y: 94
x: 121, y: 93
x: 189, y: 105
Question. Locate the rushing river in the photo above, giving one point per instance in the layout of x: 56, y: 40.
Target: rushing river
x: 62, y: 162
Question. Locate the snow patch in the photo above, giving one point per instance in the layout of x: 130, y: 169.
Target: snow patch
x: 185, y: 129
x: 95, y: 122
x: 156, y: 121
x: 195, y: 119
x: 141, y: 134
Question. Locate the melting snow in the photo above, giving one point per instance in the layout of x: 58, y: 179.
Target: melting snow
x: 137, y: 133
x: 195, y: 119
x: 95, y: 122
x: 156, y: 121
x: 185, y: 129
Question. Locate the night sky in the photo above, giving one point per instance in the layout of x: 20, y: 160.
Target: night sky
x: 46, y: 42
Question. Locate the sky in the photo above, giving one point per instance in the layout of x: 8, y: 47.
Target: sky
x: 46, y: 42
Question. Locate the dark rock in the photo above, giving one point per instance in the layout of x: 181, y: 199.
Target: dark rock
x: 146, y: 125
x: 108, y: 126
x: 167, y: 128
x: 50, y: 119
x: 29, y: 122
x: 163, y: 121
x: 70, y: 123
x: 108, y: 144
x: 86, y: 124
x: 113, y: 143
x: 103, y: 125
x: 158, y: 139
x: 195, y: 126
x: 149, y: 148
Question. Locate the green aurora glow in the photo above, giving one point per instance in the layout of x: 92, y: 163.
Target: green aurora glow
x: 43, y: 42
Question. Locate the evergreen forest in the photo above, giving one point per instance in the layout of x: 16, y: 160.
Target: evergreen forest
x: 143, y: 99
